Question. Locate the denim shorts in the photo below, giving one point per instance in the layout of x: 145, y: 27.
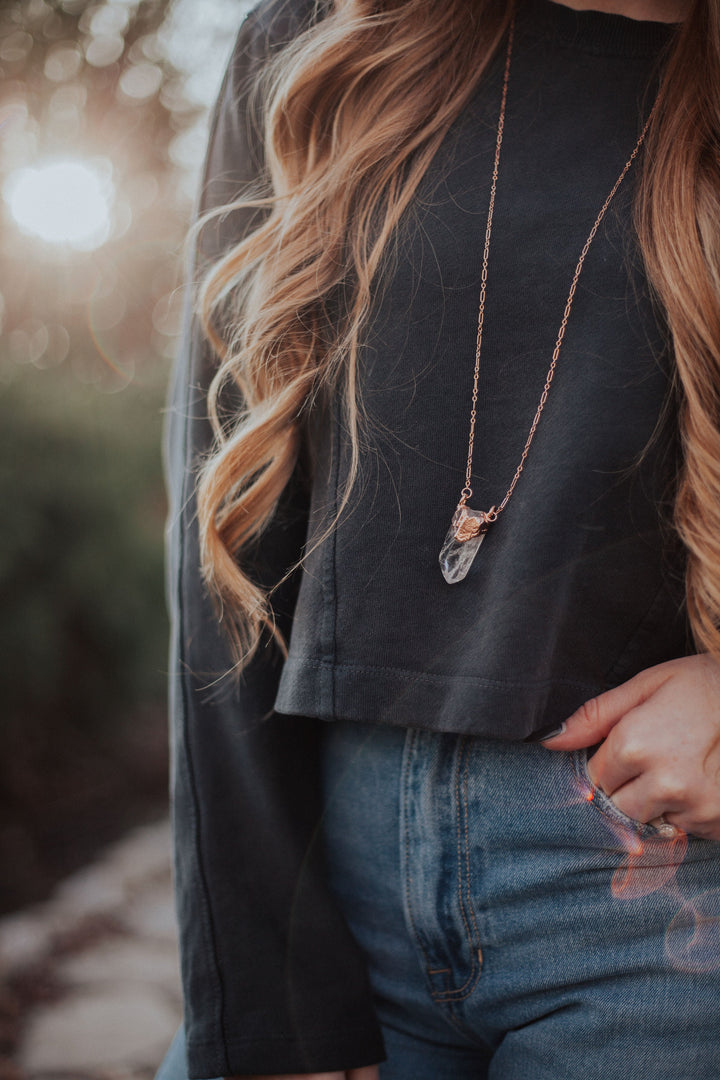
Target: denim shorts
x: 517, y: 925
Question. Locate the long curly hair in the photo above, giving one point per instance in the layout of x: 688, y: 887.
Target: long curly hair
x: 354, y: 109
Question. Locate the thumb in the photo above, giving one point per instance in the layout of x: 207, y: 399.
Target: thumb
x: 593, y: 721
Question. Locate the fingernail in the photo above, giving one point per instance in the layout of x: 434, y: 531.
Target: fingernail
x: 557, y: 731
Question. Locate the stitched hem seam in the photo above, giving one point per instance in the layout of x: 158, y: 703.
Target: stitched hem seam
x: 247, y: 1040
x: 424, y: 676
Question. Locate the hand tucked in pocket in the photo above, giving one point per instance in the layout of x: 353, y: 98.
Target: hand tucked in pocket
x: 660, y: 744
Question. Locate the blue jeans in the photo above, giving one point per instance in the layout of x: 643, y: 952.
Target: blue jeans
x: 515, y: 927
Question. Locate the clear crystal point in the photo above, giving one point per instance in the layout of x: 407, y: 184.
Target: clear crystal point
x: 456, y: 556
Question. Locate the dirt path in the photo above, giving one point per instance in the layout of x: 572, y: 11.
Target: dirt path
x: 89, y: 981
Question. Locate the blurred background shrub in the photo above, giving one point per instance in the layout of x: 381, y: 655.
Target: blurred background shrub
x: 103, y: 120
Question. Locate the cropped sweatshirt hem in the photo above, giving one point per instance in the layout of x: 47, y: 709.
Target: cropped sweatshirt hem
x: 426, y: 700
x: 324, y: 1052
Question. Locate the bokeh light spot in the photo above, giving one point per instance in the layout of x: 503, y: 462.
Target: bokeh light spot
x: 141, y: 80
x: 58, y: 347
x: 13, y: 115
x: 187, y: 148
x: 63, y: 62
x: 15, y: 47
x: 102, y: 51
x: 62, y: 202
x: 108, y: 20
x: 53, y: 26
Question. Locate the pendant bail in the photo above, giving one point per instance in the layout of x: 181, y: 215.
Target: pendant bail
x: 464, y: 537
x: 469, y: 523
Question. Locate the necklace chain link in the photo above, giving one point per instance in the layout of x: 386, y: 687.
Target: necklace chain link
x: 492, y: 514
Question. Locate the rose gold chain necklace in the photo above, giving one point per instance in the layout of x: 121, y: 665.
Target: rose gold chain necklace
x: 468, y: 527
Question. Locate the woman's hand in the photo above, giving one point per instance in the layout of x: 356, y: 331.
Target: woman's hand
x: 370, y: 1072
x: 661, y: 751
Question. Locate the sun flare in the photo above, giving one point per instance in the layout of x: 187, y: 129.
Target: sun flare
x: 62, y: 202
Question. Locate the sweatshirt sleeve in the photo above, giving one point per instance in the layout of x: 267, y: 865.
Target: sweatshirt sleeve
x: 273, y: 981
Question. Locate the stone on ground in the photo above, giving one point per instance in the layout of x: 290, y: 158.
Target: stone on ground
x: 128, y: 1027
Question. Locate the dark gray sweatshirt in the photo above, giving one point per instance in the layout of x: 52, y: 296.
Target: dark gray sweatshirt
x: 578, y: 585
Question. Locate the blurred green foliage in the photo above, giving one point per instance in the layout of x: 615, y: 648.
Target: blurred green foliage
x: 83, y: 635
x: 83, y: 631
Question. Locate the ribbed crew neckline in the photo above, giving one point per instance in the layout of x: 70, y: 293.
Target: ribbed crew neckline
x: 593, y: 31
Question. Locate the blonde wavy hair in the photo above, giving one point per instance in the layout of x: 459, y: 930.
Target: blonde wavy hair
x: 355, y: 107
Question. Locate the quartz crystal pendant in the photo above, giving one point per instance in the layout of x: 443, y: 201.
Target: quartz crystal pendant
x: 465, y: 535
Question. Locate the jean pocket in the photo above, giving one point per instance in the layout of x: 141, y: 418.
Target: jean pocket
x: 603, y: 803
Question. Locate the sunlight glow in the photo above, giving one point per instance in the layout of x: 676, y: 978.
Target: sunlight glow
x: 62, y: 202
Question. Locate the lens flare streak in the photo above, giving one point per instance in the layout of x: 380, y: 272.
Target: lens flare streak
x: 649, y: 866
